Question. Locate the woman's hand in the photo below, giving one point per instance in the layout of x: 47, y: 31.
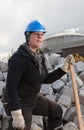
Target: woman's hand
x: 69, y: 59
x: 18, y: 120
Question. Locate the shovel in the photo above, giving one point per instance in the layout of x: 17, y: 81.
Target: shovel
x: 76, y: 97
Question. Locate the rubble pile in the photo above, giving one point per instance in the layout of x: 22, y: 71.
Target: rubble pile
x: 60, y: 91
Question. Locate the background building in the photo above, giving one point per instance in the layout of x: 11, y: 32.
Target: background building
x: 70, y: 41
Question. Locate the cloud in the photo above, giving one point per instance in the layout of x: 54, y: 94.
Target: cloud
x: 57, y: 15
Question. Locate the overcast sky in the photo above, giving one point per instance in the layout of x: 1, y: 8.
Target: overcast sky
x: 57, y: 15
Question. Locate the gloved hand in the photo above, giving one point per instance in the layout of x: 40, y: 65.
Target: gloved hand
x: 18, y: 120
x: 69, y: 59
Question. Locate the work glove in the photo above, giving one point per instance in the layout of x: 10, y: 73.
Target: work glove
x: 69, y: 59
x: 18, y: 120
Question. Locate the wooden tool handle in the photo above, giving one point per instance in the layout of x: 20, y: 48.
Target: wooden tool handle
x: 76, y: 97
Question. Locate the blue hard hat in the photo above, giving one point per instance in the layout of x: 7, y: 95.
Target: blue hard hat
x: 35, y: 26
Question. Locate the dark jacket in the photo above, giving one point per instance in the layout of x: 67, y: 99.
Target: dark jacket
x: 27, y: 71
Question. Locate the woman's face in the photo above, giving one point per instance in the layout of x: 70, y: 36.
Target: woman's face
x: 36, y: 40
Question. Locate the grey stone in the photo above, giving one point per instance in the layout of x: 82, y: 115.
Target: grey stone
x: 81, y: 96
x: 79, y: 66
x: 69, y: 115
x: 53, y: 59
x: 46, y: 89
x: 58, y: 85
x: 65, y: 101
x: 51, y: 97
x: 81, y: 76
x: 2, y: 85
x: 68, y: 91
x: 70, y: 126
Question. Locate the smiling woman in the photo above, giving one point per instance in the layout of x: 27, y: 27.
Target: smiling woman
x: 34, y: 34
x: 36, y: 40
x: 27, y: 72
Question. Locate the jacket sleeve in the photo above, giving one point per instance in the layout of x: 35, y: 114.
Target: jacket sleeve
x: 15, y: 71
x: 53, y: 76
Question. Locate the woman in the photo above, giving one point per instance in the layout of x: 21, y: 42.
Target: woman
x: 27, y: 72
